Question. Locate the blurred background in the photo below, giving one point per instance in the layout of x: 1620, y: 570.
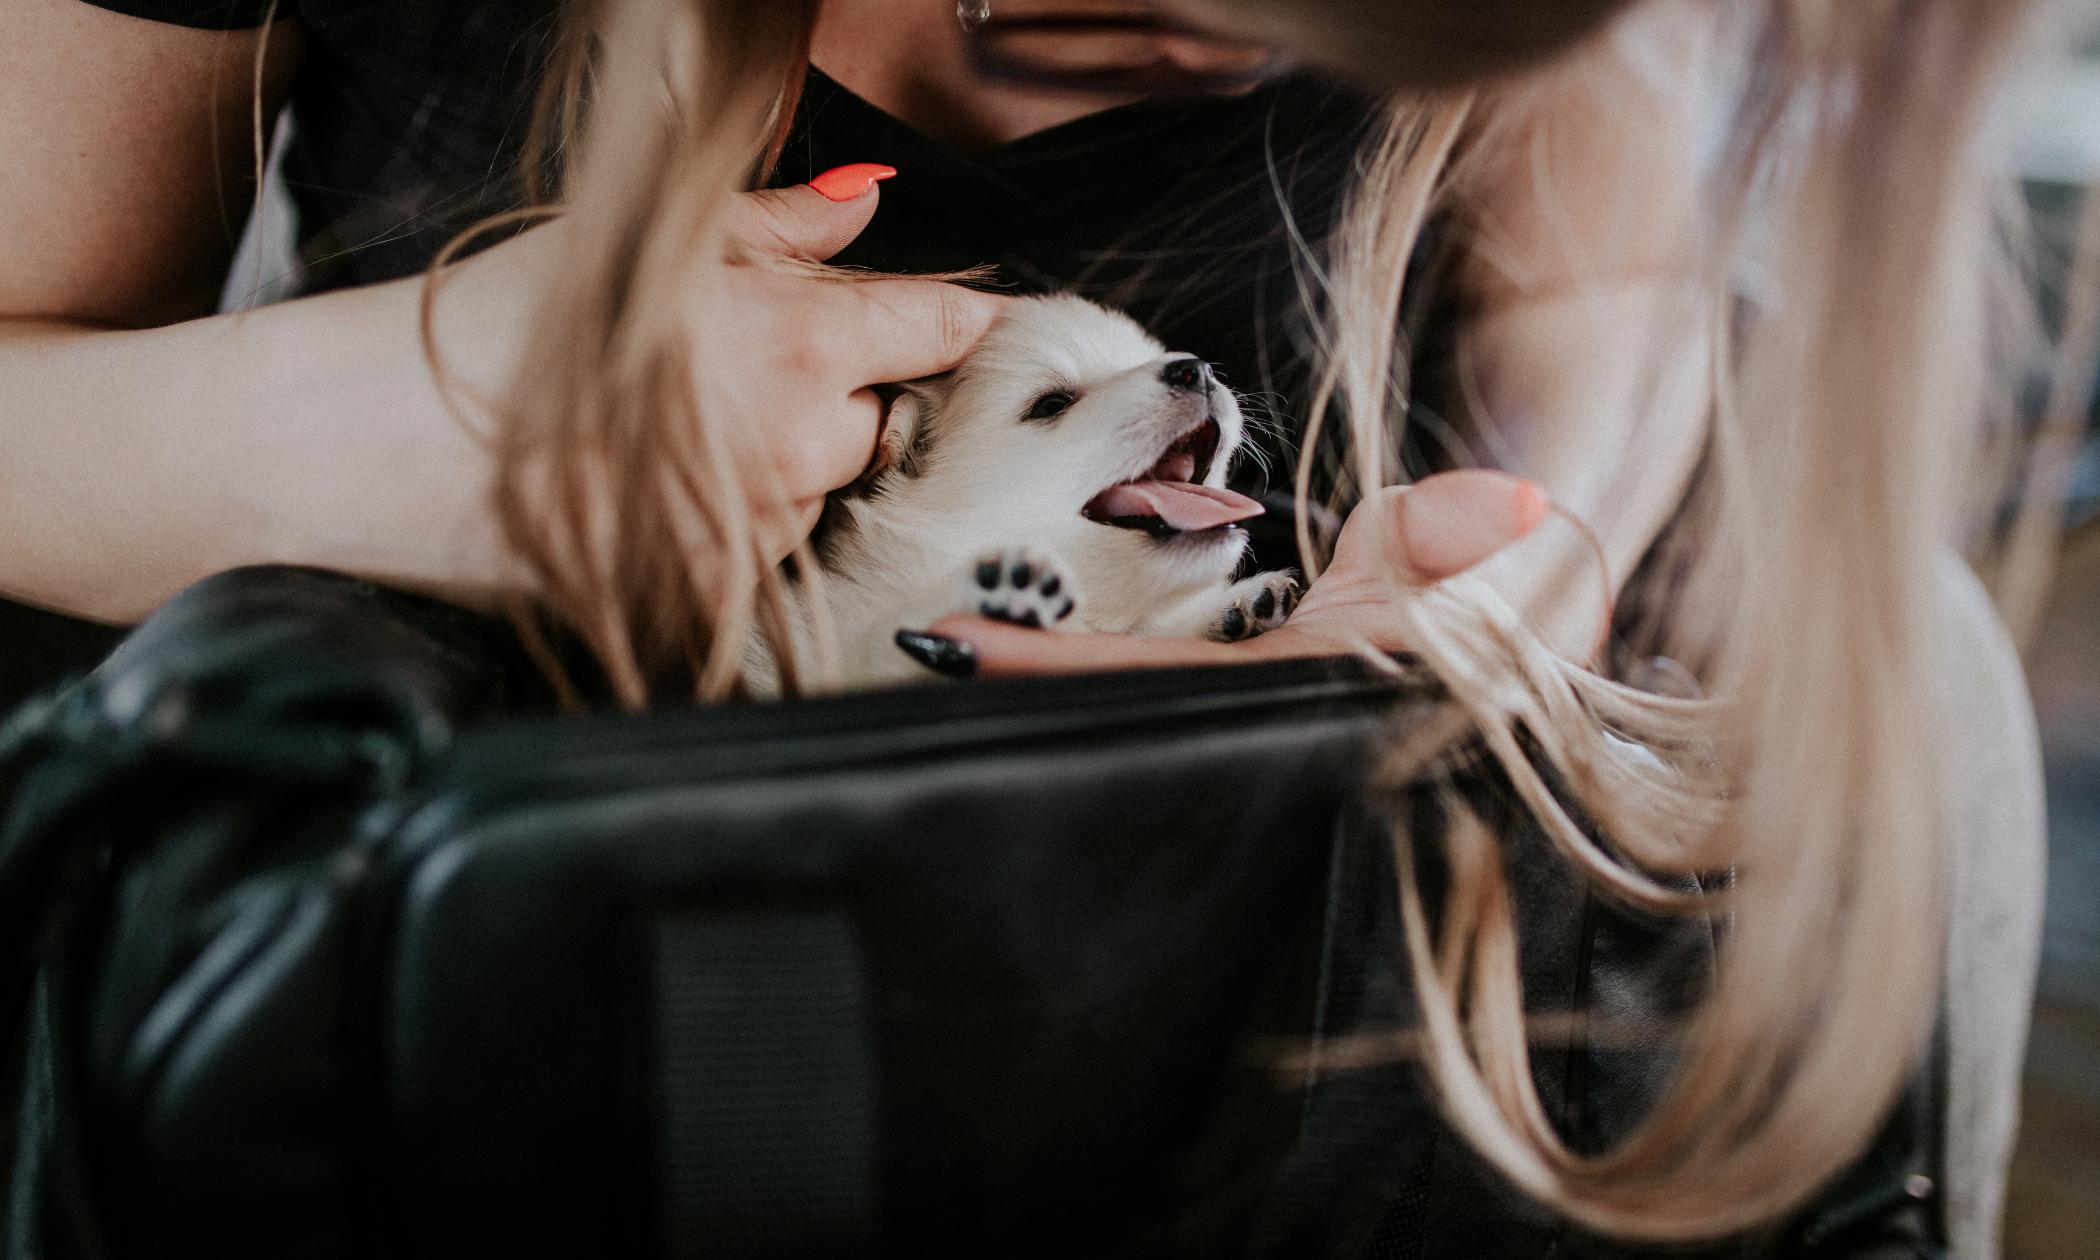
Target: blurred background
x: 2053, y: 111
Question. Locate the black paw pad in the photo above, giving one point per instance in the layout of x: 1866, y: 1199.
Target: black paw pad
x: 1259, y: 605
x: 1019, y: 588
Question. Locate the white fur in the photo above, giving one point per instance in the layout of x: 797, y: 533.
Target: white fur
x: 972, y: 480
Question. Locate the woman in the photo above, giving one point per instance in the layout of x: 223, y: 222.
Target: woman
x: 1845, y: 160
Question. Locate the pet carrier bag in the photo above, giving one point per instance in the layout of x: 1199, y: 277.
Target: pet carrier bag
x: 309, y: 955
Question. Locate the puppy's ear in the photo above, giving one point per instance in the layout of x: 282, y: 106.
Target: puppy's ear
x: 897, y: 446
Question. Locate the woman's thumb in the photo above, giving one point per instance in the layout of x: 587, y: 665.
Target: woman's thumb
x: 813, y: 221
x: 1449, y: 522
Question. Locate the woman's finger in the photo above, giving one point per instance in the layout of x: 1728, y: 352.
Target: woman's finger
x: 826, y: 447
x: 910, y: 328
x: 968, y: 647
x: 812, y: 350
x: 1441, y: 525
x: 880, y: 330
x: 809, y: 221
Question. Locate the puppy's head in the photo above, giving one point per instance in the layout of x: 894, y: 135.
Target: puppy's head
x: 1070, y: 422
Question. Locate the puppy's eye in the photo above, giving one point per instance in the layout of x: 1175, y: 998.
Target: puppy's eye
x: 1052, y: 404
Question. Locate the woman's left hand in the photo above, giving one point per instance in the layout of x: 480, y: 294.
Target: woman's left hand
x: 1423, y: 533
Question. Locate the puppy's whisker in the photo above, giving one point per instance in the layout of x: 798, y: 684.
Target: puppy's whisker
x: 1256, y: 456
x: 1262, y: 414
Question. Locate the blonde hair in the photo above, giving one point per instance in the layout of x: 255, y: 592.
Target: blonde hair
x: 1803, y: 586
x: 1801, y: 582
x: 618, y: 479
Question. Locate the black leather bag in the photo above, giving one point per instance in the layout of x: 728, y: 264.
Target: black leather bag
x: 312, y: 958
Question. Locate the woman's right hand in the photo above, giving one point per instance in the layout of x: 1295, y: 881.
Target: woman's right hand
x: 805, y: 350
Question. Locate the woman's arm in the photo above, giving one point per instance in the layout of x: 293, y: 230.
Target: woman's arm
x: 145, y: 449
x: 311, y: 432
x: 1585, y: 356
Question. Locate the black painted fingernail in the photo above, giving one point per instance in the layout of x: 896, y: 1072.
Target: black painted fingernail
x: 939, y: 653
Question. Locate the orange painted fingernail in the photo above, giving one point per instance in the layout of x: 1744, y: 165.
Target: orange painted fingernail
x: 1528, y: 505
x: 844, y: 183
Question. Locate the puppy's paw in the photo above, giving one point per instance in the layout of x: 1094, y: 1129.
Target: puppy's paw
x: 1256, y: 606
x: 1027, y: 588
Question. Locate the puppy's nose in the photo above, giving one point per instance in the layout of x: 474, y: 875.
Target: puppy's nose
x: 1189, y: 375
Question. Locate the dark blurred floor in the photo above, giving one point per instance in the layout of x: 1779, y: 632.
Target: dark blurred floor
x: 2053, y: 1210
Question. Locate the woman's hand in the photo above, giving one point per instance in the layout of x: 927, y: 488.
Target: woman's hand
x: 807, y: 349
x: 1442, y: 525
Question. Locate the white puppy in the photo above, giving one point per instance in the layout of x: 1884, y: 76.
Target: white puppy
x: 1070, y: 475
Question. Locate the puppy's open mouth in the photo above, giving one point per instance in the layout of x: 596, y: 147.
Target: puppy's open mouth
x: 1169, y: 499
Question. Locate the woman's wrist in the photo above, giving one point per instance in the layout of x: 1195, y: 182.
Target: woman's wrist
x: 311, y: 432
x: 387, y: 473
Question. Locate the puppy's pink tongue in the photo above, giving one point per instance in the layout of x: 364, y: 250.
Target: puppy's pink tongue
x: 1181, y: 504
